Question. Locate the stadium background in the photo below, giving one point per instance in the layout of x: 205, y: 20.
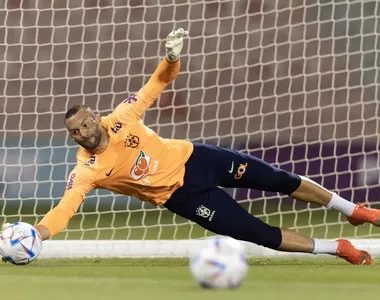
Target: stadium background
x: 295, y: 84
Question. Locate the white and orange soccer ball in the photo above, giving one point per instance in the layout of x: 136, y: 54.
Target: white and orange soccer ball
x: 222, y: 264
x: 20, y: 243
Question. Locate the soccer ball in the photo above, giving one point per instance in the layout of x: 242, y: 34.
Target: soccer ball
x: 222, y: 264
x: 20, y: 243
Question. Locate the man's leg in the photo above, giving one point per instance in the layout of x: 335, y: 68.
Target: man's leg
x: 310, y: 191
x: 237, y: 169
x: 216, y: 211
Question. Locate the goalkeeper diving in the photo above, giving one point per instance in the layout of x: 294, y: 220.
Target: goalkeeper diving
x: 119, y: 153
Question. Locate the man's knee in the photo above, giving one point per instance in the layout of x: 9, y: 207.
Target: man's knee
x: 263, y: 234
x: 285, y: 182
x: 266, y: 177
x: 247, y: 227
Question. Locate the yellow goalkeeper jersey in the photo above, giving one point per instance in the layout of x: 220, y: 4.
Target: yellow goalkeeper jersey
x: 137, y: 162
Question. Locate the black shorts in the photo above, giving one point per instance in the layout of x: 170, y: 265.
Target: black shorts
x: 201, y: 200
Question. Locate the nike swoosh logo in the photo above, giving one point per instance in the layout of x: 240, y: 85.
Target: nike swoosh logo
x: 109, y: 173
x: 232, y: 168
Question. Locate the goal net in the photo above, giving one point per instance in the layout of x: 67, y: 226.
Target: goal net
x: 292, y: 82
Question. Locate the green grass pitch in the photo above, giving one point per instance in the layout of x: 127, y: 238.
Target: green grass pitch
x: 170, y: 279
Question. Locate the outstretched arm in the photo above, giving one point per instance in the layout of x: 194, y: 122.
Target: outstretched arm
x: 136, y: 105
x: 80, y: 182
x: 57, y: 219
x: 169, y: 67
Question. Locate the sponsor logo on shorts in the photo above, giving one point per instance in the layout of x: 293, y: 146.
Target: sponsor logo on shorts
x: 130, y: 99
x: 240, y: 171
x: 117, y: 127
x: 141, y: 166
x: 132, y: 141
x: 232, y: 168
x: 205, y: 212
x: 71, y: 182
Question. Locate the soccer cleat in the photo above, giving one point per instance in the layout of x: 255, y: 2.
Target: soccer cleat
x: 364, y: 214
x: 354, y: 256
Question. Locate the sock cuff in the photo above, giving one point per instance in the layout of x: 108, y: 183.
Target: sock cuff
x: 341, y: 204
x: 315, y: 246
x: 335, y: 197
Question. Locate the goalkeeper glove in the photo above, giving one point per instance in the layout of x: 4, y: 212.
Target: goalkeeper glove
x: 174, y: 44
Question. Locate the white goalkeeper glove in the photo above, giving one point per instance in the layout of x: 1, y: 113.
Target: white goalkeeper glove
x: 174, y: 44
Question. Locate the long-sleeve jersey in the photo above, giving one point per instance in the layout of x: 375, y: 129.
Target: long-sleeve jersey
x: 137, y: 162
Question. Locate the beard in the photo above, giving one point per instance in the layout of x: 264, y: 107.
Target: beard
x: 93, y: 141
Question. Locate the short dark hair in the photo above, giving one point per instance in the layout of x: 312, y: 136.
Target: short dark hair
x: 73, y: 110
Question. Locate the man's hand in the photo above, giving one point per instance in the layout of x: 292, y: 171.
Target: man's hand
x: 174, y: 44
x: 5, y: 226
x: 42, y: 231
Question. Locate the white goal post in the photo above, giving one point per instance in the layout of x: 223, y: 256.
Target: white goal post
x: 293, y: 82
x: 168, y: 249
